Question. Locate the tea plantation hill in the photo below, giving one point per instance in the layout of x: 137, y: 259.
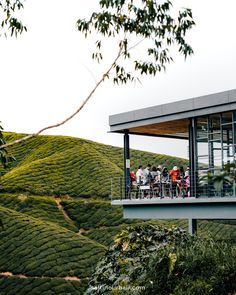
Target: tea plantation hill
x: 56, y: 219
x: 49, y: 165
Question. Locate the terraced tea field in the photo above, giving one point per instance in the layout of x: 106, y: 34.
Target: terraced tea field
x: 50, y: 165
x: 56, y: 218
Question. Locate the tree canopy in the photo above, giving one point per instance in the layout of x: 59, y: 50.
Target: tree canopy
x: 152, y: 25
x: 10, y: 22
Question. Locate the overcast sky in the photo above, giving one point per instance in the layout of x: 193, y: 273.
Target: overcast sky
x: 47, y: 72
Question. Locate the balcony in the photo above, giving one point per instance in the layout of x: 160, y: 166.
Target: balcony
x: 207, y: 124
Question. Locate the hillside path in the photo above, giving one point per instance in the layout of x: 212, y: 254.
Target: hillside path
x: 22, y: 276
x: 60, y: 208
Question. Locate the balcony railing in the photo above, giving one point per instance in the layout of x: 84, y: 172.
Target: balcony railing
x: 169, y: 189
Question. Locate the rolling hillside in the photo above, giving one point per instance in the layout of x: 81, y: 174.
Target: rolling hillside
x: 39, y: 257
x: 50, y: 165
x: 56, y: 217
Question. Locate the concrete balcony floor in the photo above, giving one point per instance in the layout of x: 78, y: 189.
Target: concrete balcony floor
x: 179, y: 208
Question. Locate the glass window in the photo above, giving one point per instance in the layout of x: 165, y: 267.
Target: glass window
x: 217, y: 158
x: 228, y: 154
x: 234, y: 133
x: 216, y: 137
x: 234, y: 116
x: 202, y: 147
x: 227, y: 118
x: 216, y: 146
x: 202, y: 127
x: 214, y: 123
x: 203, y: 162
x: 227, y: 134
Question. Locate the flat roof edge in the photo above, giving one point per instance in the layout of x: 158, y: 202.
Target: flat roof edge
x: 222, y: 101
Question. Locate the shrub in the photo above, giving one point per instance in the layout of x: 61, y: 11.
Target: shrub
x: 154, y: 260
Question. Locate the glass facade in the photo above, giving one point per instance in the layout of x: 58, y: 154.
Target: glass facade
x: 215, y: 147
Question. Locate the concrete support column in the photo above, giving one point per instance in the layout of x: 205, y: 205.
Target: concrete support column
x: 126, y: 164
x: 192, y: 226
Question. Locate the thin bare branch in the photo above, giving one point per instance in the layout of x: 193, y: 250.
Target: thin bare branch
x: 104, y: 76
x: 135, y: 45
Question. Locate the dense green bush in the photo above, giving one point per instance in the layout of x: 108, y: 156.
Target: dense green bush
x: 200, y: 267
x: 152, y: 260
x: 125, y: 263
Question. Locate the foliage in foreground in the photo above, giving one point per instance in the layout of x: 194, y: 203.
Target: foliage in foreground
x: 150, y: 259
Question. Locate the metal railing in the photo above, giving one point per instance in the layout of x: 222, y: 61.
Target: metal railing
x: 169, y: 189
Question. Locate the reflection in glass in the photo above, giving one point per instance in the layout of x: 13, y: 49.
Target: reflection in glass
x: 215, y: 137
x: 202, y: 127
x: 202, y: 147
x: 228, y: 154
x: 217, y: 160
x: 227, y: 134
x: 203, y: 162
x: 227, y: 118
x: 214, y: 123
x: 216, y: 146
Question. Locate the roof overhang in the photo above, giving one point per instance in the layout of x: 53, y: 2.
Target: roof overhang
x: 171, y: 129
x: 172, y: 119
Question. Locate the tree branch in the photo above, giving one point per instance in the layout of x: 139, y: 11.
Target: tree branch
x: 104, y: 76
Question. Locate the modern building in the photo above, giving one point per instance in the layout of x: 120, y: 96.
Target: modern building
x: 208, y: 123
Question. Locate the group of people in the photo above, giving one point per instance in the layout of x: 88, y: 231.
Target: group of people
x: 173, y: 183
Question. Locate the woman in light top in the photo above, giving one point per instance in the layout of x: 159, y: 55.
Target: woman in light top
x: 139, y: 175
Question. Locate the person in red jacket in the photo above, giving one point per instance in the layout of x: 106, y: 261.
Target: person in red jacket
x: 174, y: 175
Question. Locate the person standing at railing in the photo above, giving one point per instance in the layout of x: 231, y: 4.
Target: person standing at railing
x: 174, y: 175
x: 139, y: 175
x: 155, y: 181
x: 133, y: 179
x: 133, y: 183
x: 159, y: 170
x: 147, y: 177
x: 181, y: 183
x: 187, y: 181
x: 165, y: 182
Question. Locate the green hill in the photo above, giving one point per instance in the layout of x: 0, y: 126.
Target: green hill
x: 36, y: 248
x: 56, y: 216
x: 44, y: 256
x: 49, y: 165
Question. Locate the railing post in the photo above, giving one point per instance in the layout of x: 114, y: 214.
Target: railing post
x: 126, y: 164
x: 121, y: 190
x: 192, y: 157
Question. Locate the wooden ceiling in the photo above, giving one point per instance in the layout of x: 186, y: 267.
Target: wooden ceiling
x: 177, y: 128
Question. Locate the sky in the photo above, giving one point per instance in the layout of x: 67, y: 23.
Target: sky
x: 46, y: 73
